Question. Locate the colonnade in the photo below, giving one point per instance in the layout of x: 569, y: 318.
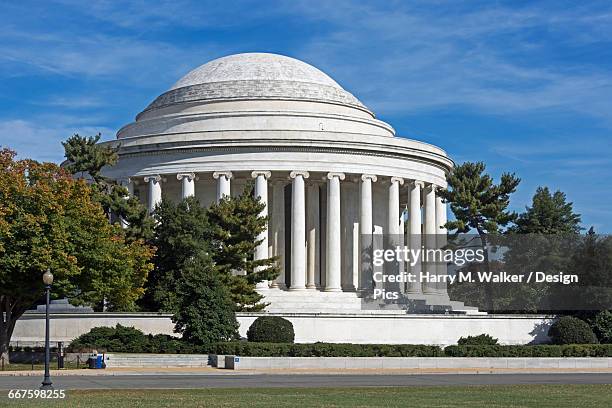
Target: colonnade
x: 425, y: 209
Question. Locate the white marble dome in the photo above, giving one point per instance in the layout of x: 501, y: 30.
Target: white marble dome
x: 255, y: 66
x: 328, y: 170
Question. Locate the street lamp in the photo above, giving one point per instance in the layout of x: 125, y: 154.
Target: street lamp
x: 48, y: 280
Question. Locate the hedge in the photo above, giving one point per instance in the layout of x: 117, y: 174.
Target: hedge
x: 570, y: 350
x: 246, y: 349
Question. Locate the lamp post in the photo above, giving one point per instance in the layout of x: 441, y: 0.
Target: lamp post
x: 48, y: 280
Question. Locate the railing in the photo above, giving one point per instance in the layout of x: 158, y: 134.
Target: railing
x: 21, y: 359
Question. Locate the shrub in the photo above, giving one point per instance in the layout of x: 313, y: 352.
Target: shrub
x: 545, y: 350
x: 247, y: 349
x: 571, y: 330
x: 602, y: 326
x: 271, y: 329
x: 481, y: 339
x: 122, y: 339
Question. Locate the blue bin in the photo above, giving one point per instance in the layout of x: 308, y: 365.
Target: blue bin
x: 100, y: 361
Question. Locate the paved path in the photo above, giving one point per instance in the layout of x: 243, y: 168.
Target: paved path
x: 300, y: 380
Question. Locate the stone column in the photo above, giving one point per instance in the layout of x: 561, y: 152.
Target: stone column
x: 430, y: 233
x: 155, y: 192
x: 223, y: 183
x: 188, y: 184
x: 298, y: 231
x: 414, y: 231
x: 333, y: 247
x: 261, y: 191
x: 313, y: 238
x: 393, y: 226
x: 441, y: 239
x: 366, y: 229
x: 129, y: 184
x: 278, y: 230
x: 394, y: 208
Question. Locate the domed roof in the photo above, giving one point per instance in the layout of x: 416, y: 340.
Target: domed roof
x: 256, y: 76
x: 255, y: 66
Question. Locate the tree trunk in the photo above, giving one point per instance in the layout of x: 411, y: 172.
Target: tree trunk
x: 10, y: 311
x: 487, y: 285
x: 4, y: 343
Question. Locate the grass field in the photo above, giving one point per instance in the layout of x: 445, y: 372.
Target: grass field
x: 540, y: 396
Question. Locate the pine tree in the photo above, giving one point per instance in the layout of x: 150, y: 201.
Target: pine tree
x: 205, y: 309
x: 86, y: 158
x: 235, y: 225
x: 181, y: 232
x: 479, y: 204
x: 548, y: 214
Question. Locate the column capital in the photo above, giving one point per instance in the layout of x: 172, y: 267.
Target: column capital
x: 431, y: 187
x: 125, y: 181
x: 153, y: 177
x: 397, y: 180
x: 332, y: 174
x: 371, y: 177
x: 439, y: 188
x: 296, y: 173
x: 227, y: 174
x: 189, y: 176
x: 256, y: 173
x: 417, y: 183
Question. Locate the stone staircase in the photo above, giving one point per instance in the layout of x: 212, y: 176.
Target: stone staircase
x: 316, y: 301
x: 156, y: 360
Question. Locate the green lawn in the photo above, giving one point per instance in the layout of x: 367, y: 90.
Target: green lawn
x: 540, y: 396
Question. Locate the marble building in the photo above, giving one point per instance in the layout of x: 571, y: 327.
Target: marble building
x: 331, y: 174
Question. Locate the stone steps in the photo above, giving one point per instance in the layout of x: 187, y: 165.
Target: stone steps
x: 156, y: 360
x: 316, y: 301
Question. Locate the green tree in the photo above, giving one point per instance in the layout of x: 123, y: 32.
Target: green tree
x: 86, y: 158
x: 49, y: 220
x: 479, y: 204
x: 235, y: 226
x: 181, y: 232
x: 548, y: 214
x: 205, y: 309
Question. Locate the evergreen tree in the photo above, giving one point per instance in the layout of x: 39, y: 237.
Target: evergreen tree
x: 204, y: 311
x: 235, y: 226
x: 548, y: 214
x: 479, y: 204
x: 181, y: 232
x: 86, y: 158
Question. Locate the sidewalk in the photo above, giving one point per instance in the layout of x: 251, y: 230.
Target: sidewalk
x: 208, y: 371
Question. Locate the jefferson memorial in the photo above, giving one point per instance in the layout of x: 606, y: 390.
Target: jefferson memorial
x: 332, y: 176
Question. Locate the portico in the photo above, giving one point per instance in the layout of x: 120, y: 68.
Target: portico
x: 318, y: 213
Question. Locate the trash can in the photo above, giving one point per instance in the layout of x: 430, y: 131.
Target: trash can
x: 96, y: 361
x: 91, y: 362
x: 100, y: 361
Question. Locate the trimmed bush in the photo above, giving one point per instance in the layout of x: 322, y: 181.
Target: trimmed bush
x: 545, y: 350
x: 246, y: 349
x: 571, y: 330
x: 122, y: 339
x: 602, y: 326
x: 480, y: 340
x: 271, y: 329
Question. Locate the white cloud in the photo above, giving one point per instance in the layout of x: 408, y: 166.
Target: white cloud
x: 41, y: 139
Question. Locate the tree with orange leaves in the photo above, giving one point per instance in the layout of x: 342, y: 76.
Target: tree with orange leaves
x: 48, y: 220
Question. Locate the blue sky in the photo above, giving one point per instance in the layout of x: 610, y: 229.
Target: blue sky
x: 524, y: 86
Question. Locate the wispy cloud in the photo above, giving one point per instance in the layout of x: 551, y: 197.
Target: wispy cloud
x: 490, y: 57
x: 45, y: 135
